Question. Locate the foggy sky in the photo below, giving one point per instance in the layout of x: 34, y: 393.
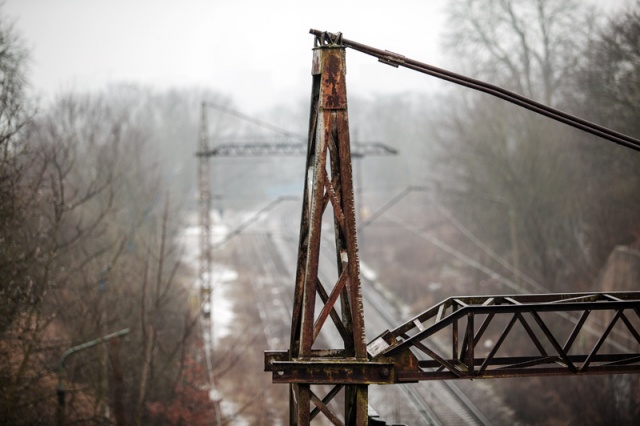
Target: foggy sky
x: 257, y: 52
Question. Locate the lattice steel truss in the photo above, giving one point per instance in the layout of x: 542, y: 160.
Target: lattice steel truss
x: 204, y: 206
x: 534, y: 328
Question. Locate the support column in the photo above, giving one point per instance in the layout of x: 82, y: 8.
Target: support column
x: 328, y: 184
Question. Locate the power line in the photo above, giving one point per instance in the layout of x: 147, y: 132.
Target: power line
x: 253, y: 120
x: 397, y: 60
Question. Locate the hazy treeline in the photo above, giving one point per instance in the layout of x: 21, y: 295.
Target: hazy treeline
x: 523, y: 204
x: 552, y: 199
x: 97, y: 189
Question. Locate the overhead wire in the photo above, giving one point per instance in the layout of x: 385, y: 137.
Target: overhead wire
x: 255, y: 121
x: 258, y: 215
x: 397, y: 60
x: 486, y: 249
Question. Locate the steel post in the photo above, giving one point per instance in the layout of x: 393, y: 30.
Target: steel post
x: 328, y: 185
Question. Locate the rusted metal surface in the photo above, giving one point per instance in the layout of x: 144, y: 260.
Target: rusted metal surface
x: 331, y: 371
x: 539, y: 341
x: 328, y: 185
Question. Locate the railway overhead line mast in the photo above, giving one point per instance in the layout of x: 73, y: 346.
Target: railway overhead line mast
x: 280, y: 143
x: 317, y: 374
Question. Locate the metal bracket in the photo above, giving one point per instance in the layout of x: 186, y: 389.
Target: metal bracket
x: 327, y: 39
x: 333, y: 372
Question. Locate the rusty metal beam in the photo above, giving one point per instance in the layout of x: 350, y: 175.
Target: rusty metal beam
x: 341, y: 371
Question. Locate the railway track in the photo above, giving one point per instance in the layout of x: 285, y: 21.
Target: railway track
x: 426, y: 403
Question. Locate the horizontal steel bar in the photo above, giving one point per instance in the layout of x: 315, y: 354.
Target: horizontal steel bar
x: 339, y: 371
x: 250, y: 149
x: 514, y: 361
x: 418, y: 375
x: 271, y: 356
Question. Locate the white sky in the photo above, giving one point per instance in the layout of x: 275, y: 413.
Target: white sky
x: 258, y: 52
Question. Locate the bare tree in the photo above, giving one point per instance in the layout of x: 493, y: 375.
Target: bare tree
x: 528, y: 46
x: 14, y: 113
x: 96, y: 257
x: 547, y: 199
x: 64, y: 210
x: 14, y: 110
x: 87, y: 248
x: 517, y: 168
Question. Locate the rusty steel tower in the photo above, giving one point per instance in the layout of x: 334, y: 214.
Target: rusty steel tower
x: 328, y: 184
x: 320, y: 375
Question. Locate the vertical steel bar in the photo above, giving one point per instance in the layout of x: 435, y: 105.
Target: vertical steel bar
x: 204, y: 176
x: 470, y: 343
x: 303, y: 244
x: 303, y: 401
x: 454, y: 339
x: 356, y: 405
x: 315, y: 234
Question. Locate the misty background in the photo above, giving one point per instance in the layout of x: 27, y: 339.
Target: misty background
x: 100, y: 121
